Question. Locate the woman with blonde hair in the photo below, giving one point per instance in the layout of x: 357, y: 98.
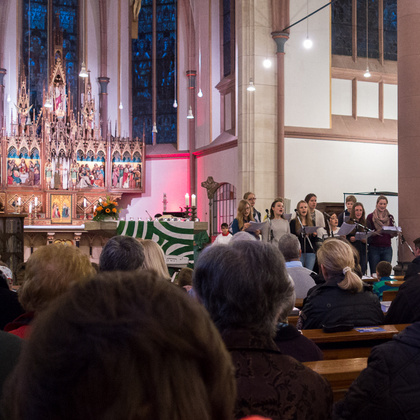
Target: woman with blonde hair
x: 343, y: 300
x: 243, y: 218
x: 307, y: 242
x: 154, y: 258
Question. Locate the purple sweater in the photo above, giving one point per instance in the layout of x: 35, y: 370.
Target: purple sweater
x: 381, y: 241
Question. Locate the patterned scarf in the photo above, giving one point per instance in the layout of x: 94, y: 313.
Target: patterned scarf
x: 380, y: 219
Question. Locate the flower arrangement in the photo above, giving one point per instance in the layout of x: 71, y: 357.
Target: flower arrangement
x: 106, y: 209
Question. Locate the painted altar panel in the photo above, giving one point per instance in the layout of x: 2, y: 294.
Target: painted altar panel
x: 23, y: 167
x: 61, y: 208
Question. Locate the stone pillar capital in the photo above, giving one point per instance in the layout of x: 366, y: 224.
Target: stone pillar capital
x: 280, y: 38
x: 103, y: 83
x: 2, y: 74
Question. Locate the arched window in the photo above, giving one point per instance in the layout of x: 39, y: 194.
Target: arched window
x: 142, y: 87
x: 35, y: 30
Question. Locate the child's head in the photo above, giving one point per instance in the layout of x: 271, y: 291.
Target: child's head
x: 225, y: 228
x: 383, y: 269
x: 350, y: 201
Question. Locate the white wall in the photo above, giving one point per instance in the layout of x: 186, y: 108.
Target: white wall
x: 391, y: 102
x: 331, y: 168
x: 341, y: 97
x: 367, y: 99
x: 162, y: 176
x: 307, y: 72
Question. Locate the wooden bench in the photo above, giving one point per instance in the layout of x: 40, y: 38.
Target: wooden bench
x: 389, y: 295
x: 339, y: 373
x: 351, y: 344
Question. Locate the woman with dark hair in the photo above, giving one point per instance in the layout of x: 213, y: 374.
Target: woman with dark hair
x: 243, y: 218
x: 126, y: 345
x: 331, y: 228
x: 277, y: 225
x: 343, y: 299
x: 307, y: 241
x: 379, y: 244
x: 357, y: 217
x: 245, y: 287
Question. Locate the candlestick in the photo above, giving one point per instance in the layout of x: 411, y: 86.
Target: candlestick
x: 84, y: 202
x: 19, y: 201
x: 30, y: 208
x: 187, y: 199
x: 193, y: 200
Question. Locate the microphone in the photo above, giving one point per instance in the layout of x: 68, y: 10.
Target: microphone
x: 296, y: 210
x: 151, y: 218
x: 268, y: 213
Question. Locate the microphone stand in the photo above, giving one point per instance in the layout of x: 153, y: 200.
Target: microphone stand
x: 367, y: 230
x: 401, y: 236
x: 304, y: 235
x: 271, y: 228
x: 328, y: 217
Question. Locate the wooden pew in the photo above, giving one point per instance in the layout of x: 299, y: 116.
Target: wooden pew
x: 351, y: 344
x: 339, y: 373
x: 389, y: 295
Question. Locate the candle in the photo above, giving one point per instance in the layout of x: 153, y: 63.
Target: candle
x: 19, y: 201
x: 30, y: 207
x: 193, y: 200
x: 187, y: 200
x: 36, y: 201
x: 100, y: 200
x: 94, y: 209
x: 84, y: 202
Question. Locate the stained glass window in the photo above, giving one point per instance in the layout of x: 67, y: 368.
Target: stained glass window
x: 227, y: 41
x: 390, y: 30
x: 165, y: 72
x: 341, y: 28
x: 373, y: 28
x: 36, y: 17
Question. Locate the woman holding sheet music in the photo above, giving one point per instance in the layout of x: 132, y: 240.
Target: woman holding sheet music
x: 379, y: 243
x: 276, y: 226
x: 307, y: 241
x: 331, y: 227
x: 243, y: 219
x: 357, y: 217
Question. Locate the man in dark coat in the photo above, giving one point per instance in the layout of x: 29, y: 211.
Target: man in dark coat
x: 414, y: 267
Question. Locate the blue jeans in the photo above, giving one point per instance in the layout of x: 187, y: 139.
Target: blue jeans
x: 308, y: 260
x: 377, y: 254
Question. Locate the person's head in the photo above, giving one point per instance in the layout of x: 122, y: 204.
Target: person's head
x: 243, y: 236
x: 289, y: 246
x: 244, y: 210
x: 49, y: 272
x: 225, y: 228
x: 311, y: 200
x: 336, y: 259
x: 383, y: 269
x: 417, y: 247
x: 243, y: 285
x: 121, y: 253
x: 381, y: 203
x: 123, y: 346
x: 358, y: 213
x: 277, y: 208
x: 333, y: 220
x: 302, y: 208
x: 350, y: 201
x: 185, y: 277
x: 250, y: 197
x: 154, y: 258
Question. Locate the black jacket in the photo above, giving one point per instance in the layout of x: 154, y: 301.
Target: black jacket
x: 389, y: 387
x: 328, y: 304
x: 413, y: 268
x: 405, y: 308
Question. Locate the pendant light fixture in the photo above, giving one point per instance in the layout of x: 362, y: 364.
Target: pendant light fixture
x: 190, y: 115
x: 308, y: 42
x: 367, y: 73
x: 83, y: 72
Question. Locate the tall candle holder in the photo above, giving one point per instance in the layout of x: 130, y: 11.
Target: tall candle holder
x: 84, y: 213
x: 190, y: 212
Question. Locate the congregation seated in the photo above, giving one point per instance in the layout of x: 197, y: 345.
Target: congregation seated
x: 121, y: 253
x: 383, y: 272
x: 243, y: 285
x: 388, y: 388
x: 343, y: 298
x: 405, y: 308
x: 154, y: 258
x: 50, y: 271
x: 123, y: 346
x: 289, y: 246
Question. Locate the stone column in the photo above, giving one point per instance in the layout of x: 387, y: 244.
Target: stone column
x: 192, y: 75
x: 103, y: 105
x: 408, y: 123
x: 2, y: 116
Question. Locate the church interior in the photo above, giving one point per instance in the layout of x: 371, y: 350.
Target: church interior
x: 146, y: 101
